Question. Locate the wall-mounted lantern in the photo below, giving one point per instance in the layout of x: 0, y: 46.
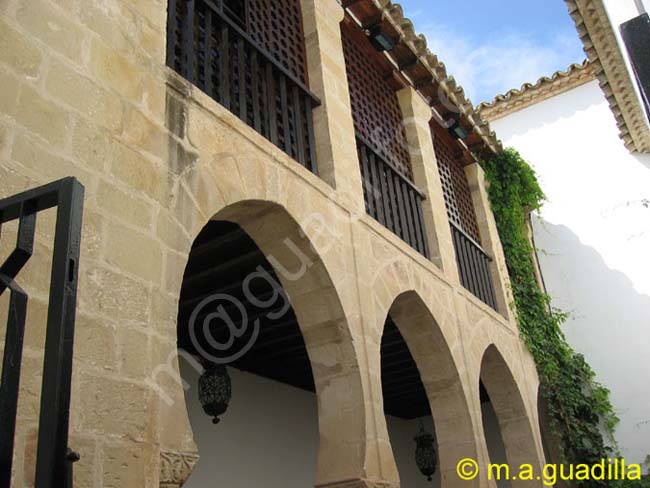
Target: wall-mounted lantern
x: 457, y: 130
x: 425, y: 453
x: 379, y: 39
x: 215, y: 390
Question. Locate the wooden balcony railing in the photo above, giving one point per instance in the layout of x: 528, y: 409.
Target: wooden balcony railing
x: 392, y: 199
x: 473, y: 266
x: 209, y: 49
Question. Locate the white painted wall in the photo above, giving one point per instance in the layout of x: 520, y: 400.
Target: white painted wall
x: 594, y: 242
x: 269, y: 437
x: 622, y: 10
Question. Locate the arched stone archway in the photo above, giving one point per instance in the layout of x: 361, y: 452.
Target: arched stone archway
x: 324, y: 328
x: 440, y: 375
x: 514, y: 421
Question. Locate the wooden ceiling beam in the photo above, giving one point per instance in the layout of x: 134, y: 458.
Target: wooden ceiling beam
x: 349, y: 3
x: 419, y: 83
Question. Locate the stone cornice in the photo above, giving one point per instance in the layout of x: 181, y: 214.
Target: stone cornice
x: 602, y: 48
x: 530, y: 94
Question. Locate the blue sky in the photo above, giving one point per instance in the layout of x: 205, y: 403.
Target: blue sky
x: 491, y: 46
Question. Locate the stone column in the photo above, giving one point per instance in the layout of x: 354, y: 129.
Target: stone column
x: 417, y: 115
x: 338, y: 162
x: 490, y: 238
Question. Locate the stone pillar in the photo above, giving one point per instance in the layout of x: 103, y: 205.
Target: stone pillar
x: 338, y: 162
x: 417, y: 115
x: 490, y: 238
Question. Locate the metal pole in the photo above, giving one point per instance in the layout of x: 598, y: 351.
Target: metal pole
x: 53, y: 457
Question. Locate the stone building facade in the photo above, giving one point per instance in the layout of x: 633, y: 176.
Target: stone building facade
x: 87, y: 92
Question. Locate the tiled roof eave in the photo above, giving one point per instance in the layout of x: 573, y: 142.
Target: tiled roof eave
x: 602, y: 49
x: 393, y: 12
x: 530, y: 94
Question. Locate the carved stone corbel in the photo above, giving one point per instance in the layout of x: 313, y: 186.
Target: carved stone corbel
x: 176, y: 467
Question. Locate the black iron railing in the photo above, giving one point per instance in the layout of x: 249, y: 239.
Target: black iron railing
x: 54, y: 459
x: 474, y: 266
x: 209, y: 49
x: 391, y: 198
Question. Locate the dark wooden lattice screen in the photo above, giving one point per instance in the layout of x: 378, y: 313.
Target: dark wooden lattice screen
x: 375, y: 109
x: 458, y: 197
x: 208, y: 47
x: 276, y: 25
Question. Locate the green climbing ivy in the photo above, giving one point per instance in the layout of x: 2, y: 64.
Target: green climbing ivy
x: 579, y: 407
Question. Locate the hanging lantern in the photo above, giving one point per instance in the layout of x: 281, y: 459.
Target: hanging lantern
x: 425, y: 453
x: 215, y: 390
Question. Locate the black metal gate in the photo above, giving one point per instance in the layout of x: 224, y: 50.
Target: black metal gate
x: 54, y: 458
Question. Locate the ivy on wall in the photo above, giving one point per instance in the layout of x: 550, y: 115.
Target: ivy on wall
x: 579, y: 408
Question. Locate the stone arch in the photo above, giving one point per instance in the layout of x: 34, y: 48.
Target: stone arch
x: 325, y: 329
x: 441, y: 377
x: 269, y: 202
x: 515, y: 422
